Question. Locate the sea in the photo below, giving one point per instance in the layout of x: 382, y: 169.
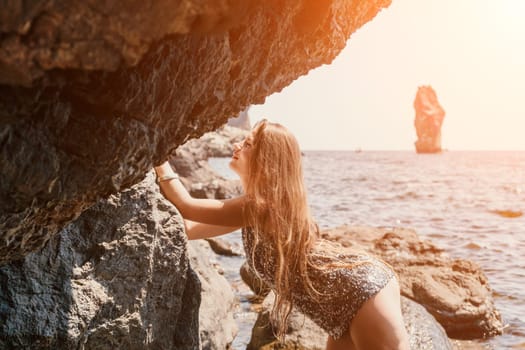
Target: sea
x: 470, y: 203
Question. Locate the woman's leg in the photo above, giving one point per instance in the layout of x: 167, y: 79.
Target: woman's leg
x: 379, y: 323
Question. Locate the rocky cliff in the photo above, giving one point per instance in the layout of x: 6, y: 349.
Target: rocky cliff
x: 428, y: 121
x: 118, y: 277
x: 93, y: 94
x: 122, y: 276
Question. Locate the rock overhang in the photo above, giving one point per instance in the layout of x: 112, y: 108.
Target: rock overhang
x: 94, y: 94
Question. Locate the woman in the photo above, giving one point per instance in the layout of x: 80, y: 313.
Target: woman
x: 352, y: 296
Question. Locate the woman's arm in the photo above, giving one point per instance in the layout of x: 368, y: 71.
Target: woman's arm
x: 198, y: 230
x: 214, y: 212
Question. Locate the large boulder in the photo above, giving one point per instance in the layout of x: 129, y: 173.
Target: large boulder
x: 93, y: 94
x: 119, y: 277
x: 302, y: 333
x: 428, y: 120
x: 455, y: 291
x: 116, y: 278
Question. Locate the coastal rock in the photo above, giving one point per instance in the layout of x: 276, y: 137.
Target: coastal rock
x: 428, y: 121
x: 93, y: 94
x: 455, y: 291
x: 242, y: 121
x: 117, y: 278
x: 423, y: 330
x: 256, y: 284
x: 217, y: 326
x: 218, y: 143
x: 190, y: 161
x: 222, y: 247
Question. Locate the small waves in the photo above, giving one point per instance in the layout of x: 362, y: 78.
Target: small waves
x: 473, y: 245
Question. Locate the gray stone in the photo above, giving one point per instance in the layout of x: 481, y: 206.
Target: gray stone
x: 116, y: 278
x: 222, y: 247
x: 302, y: 333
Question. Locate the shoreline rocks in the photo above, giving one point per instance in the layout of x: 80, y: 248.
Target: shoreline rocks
x: 423, y: 330
x: 455, y: 291
x: 190, y: 161
x: 451, y: 295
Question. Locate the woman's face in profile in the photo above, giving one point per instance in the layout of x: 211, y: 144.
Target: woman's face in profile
x: 241, y: 156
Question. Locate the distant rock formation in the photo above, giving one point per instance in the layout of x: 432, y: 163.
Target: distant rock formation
x: 428, y: 121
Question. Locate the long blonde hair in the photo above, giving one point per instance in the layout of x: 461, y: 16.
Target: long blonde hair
x: 278, y: 213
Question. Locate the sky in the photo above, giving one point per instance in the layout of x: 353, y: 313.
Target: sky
x: 472, y: 52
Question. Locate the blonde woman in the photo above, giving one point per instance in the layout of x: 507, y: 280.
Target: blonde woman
x: 352, y: 296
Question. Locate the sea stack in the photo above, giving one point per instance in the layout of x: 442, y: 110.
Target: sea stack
x: 428, y: 121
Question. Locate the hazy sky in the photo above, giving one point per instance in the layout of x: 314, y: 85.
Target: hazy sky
x: 472, y: 52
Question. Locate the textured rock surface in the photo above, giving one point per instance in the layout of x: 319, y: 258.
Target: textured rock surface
x: 217, y: 327
x: 190, y: 161
x: 456, y: 292
x: 93, y: 94
x: 242, y: 121
x: 428, y: 121
x: 423, y: 330
x: 99, y: 35
x: 116, y: 278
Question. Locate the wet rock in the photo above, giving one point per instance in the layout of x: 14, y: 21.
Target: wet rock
x: 257, y: 285
x: 423, y: 330
x: 117, y: 278
x: 222, y: 247
x: 455, y: 291
x: 428, y: 121
x: 93, y: 94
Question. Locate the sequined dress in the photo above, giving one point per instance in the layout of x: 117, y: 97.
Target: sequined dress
x: 346, y: 288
